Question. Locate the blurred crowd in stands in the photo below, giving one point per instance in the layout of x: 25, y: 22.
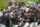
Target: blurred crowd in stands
x: 20, y: 15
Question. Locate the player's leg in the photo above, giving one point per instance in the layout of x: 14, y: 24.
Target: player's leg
x: 26, y: 24
x: 31, y: 25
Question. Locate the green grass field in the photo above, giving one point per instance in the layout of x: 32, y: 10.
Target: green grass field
x: 5, y: 4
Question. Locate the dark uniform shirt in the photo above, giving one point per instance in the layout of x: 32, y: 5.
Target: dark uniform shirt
x: 26, y: 18
x: 31, y: 19
x: 14, y: 21
x: 7, y: 21
x: 0, y: 20
x: 3, y: 20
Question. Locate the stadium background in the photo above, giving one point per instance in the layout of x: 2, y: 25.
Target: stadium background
x: 4, y: 3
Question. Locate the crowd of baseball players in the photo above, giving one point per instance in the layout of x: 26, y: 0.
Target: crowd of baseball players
x: 20, y: 15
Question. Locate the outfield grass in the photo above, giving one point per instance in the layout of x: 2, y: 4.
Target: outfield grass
x: 3, y: 4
